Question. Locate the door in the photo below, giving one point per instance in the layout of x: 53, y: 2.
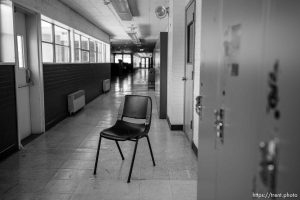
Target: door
x: 280, y: 75
x: 22, y: 76
x: 209, y: 92
x: 239, y: 109
x: 189, y: 69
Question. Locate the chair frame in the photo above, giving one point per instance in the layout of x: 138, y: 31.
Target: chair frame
x: 136, y: 139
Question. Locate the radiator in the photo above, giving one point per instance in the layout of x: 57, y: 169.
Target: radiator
x: 76, y: 101
x: 106, y: 85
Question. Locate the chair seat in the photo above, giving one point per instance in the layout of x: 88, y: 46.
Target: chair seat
x: 123, y: 130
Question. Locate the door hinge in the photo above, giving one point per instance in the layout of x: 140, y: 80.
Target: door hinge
x: 191, y: 124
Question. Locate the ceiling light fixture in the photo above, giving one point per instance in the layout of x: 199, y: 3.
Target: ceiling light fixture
x: 133, y: 35
x: 122, y: 9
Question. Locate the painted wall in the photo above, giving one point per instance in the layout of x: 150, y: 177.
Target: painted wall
x: 63, y: 79
x: 176, y: 61
x: 56, y: 10
x: 8, y: 114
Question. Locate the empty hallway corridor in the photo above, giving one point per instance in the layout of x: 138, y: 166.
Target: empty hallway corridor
x: 59, y: 164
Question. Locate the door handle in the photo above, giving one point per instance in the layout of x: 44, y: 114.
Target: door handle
x: 183, y: 78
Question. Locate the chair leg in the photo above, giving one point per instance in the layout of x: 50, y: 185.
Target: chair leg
x: 97, y: 155
x: 133, y: 157
x: 119, y: 149
x: 150, y: 150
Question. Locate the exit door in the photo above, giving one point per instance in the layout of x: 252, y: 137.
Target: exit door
x: 23, y: 81
x: 189, y: 69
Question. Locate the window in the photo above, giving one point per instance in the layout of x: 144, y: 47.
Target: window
x: 190, y: 42
x: 99, y: 51
x: 93, y: 51
x: 47, y: 41
x: 62, y: 45
x: 104, y: 52
x: 127, y: 58
x: 21, y: 57
x: 77, y: 51
x: 118, y: 57
x: 147, y: 63
x: 85, y: 54
x: 56, y: 44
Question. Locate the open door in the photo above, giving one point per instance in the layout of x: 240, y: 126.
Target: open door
x: 29, y: 74
x: 23, y: 80
x: 189, y: 69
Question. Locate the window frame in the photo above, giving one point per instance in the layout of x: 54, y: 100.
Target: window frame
x: 54, y: 44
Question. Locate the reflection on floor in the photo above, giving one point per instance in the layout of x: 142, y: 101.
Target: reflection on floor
x: 58, y: 165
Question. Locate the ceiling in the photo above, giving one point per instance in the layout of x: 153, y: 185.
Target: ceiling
x: 148, y: 26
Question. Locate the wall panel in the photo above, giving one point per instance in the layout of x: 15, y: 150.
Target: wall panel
x: 63, y: 79
x: 8, y: 114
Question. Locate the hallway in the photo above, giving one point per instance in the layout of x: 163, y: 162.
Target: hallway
x: 58, y: 164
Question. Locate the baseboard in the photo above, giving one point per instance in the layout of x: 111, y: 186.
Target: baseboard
x: 174, y: 127
x: 30, y: 138
x: 194, y: 148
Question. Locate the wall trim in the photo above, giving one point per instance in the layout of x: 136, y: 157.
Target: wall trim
x: 194, y: 148
x: 174, y: 127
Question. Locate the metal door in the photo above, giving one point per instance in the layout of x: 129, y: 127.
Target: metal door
x: 278, y: 160
x: 22, y: 76
x: 189, y: 69
x: 208, y: 100
x: 237, y: 117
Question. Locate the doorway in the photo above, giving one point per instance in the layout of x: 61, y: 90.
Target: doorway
x: 189, y: 69
x: 28, y: 73
x: 22, y: 75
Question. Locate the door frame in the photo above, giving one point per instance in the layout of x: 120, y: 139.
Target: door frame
x: 185, y: 62
x: 35, y: 64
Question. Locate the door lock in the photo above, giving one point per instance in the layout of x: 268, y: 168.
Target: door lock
x: 199, y: 105
x: 268, y: 164
x: 219, y: 124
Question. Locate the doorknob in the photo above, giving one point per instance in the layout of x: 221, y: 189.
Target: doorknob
x: 219, y: 124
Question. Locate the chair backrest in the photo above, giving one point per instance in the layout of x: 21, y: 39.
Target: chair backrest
x: 137, y: 107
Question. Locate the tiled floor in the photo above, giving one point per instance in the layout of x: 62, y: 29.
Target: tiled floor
x: 58, y: 164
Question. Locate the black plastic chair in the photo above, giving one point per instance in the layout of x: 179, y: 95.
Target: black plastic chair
x: 136, y: 107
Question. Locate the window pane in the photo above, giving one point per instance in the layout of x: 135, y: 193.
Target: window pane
x: 76, y: 41
x: 20, y: 46
x: 61, y: 36
x: 99, y: 47
x: 190, y: 42
x: 99, y: 50
x: 118, y: 57
x: 92, y: 45
x: 99, y: 60
x: 104, y: 53
x: 62, y: 54
x: 77, y: 55
x: 93, y: 57
x: 127, y: 58
x: 47, y: 50
x: 85, y: 56
x: 84, y: 43
x: 46, y: 31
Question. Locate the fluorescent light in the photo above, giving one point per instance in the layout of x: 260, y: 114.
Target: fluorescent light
x: 122, y: 9
x: 134, y: 37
